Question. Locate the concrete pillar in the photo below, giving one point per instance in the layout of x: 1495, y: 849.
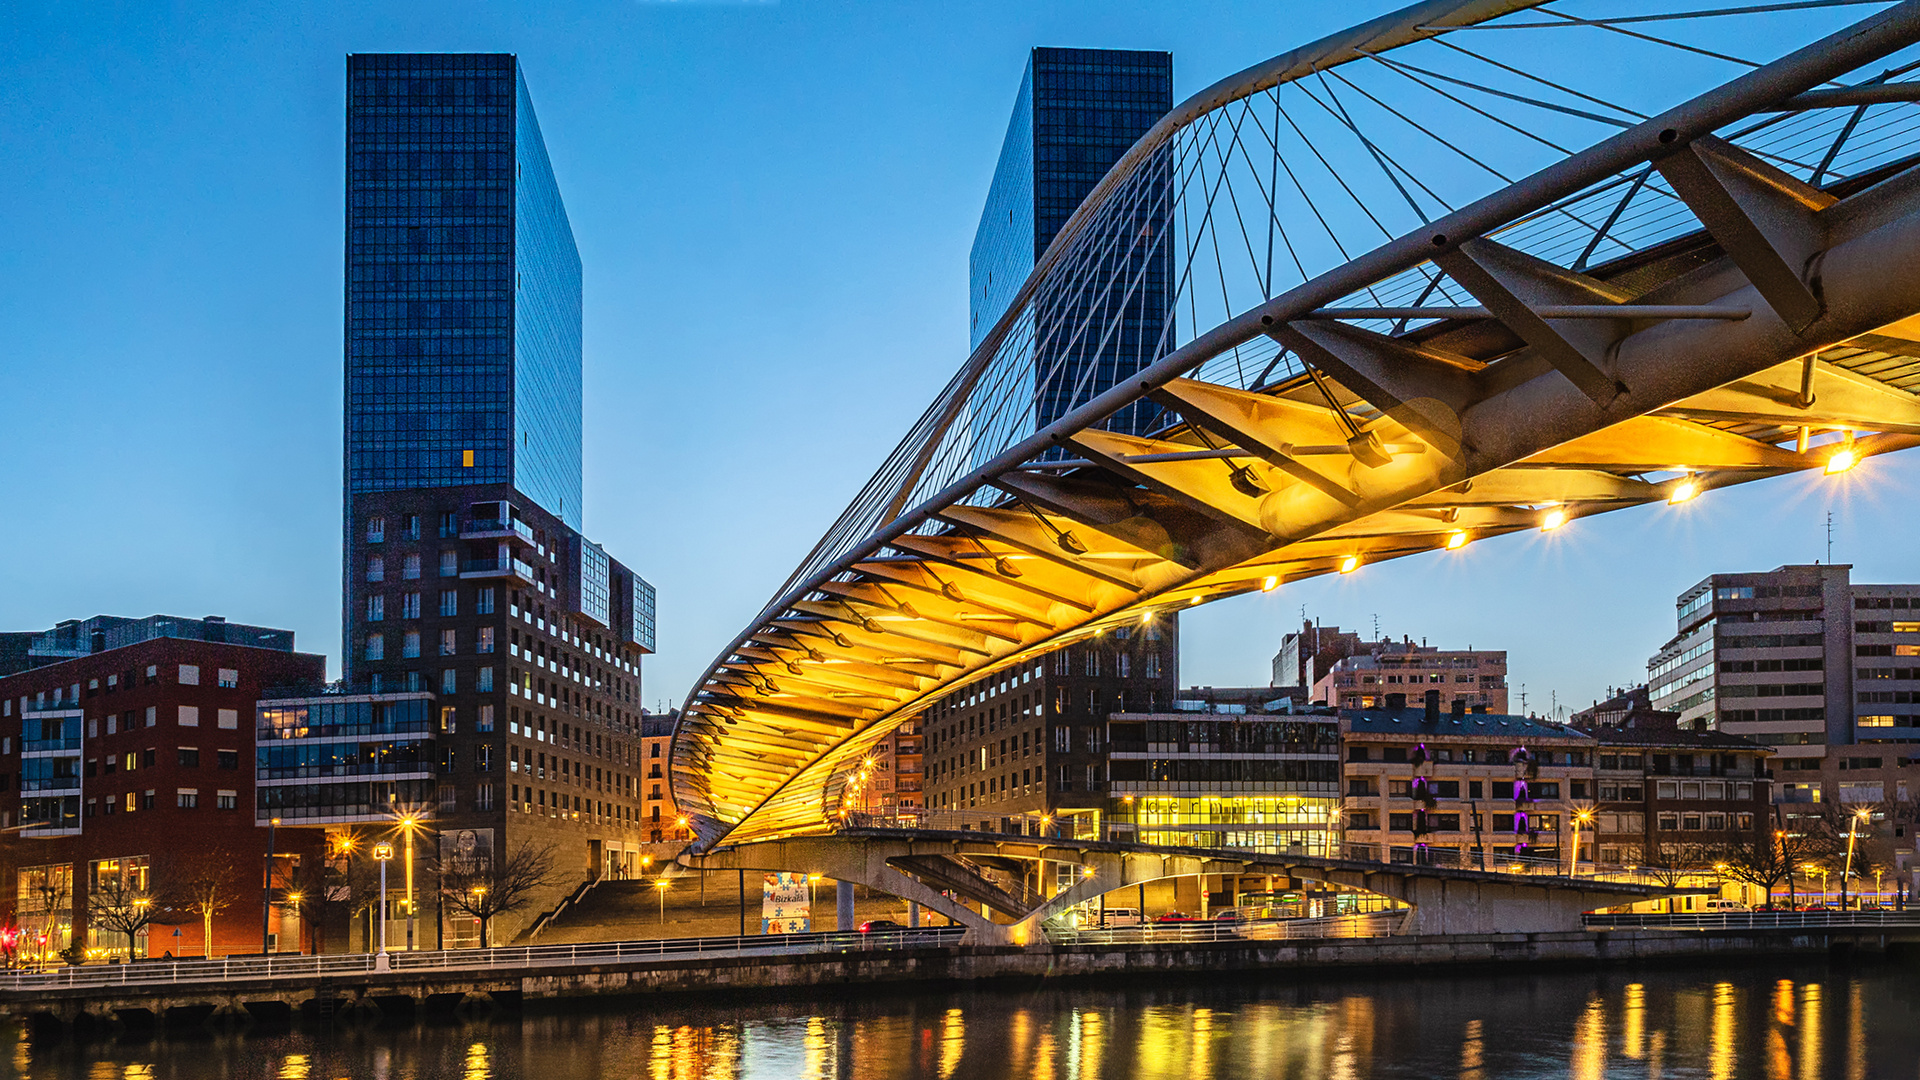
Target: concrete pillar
x: 913, y: 914
x: 843, y: 900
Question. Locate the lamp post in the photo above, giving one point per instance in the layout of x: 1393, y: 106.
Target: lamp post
x: 266, y: 891
x: 383, y: 854
x: 408, y: 824
x: 1580, y: 817
x: 480, y: 902
x: 660, y: 886
x: 1853, y: 823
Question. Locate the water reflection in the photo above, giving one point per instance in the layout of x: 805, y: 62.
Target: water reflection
x: 1786, y: 1023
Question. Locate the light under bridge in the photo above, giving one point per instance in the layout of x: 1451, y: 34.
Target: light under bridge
x: 1468, y: 269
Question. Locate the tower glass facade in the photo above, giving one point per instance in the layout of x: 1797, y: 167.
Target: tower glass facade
x: 463, y: 310
x: 1077, y: 113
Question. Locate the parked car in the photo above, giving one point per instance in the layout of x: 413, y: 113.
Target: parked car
x: 1174, y: 917
x: 1120, y: 916
x: 1231, y: 915
x: 880, y: 926
x: 1718, y: 906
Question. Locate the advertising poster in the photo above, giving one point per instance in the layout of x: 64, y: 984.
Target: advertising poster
x: 783, y: 905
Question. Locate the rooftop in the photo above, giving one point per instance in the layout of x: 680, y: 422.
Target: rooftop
x: 1415, y: 722
x: 75, y: 638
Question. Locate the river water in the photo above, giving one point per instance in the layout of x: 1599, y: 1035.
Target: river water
x: 1787, y: 1021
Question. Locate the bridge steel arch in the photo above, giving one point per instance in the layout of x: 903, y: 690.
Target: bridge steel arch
x: 1777, y: 329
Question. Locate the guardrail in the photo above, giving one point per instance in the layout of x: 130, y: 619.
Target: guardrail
x: 1373, y: 924
x: 1756, y: 920
x: 261, y: 968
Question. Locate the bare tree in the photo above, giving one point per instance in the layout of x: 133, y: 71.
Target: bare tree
x: 486, y: 889
x: 202, y: 886
x: 125, y: 902
x: 50, y: 889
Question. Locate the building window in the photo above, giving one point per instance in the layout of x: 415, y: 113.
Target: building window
x: 229, y: 677
x: 483, y: 601
x: 376, y: 608
x: 189, y: 675
x: 449, y: 524
x: 229, y: 719
x: 410, y: 569
x: 189, y: 716
x: 410, y: 606
x: 447, y: 643
x: 483, y: 681
x: 227, y: 759
x: 483, y: 640
x: 410, y: 644
x: 449, y: 564
x: 483, y: 796
x: 448, y: 682
x: 226, y: 800
x: 484, y: 721
x: 1123, y: 665
x: 376, y: 568
x: 189, y: 757
x: 376, y: 647
x: 187, y: 798
x: 376, y: 529
x: 411, y: 530
x: 449, y: 602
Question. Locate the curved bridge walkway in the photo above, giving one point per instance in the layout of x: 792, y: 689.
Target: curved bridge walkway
x: 988, y: 869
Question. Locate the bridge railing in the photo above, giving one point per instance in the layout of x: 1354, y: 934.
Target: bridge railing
x: 1755, y: 920
x: 264, y: 968
x: 1373, y: 924
x: 1037, y: 826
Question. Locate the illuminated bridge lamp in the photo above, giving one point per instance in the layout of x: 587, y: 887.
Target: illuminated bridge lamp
x: 1683, y: 489
x: 1270, y: 584
x: 1456, y: 540
x: 1842, y: 459
x: 1553, y: 519
x: 1349, y: 564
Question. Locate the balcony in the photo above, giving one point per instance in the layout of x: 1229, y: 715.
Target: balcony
x: 497, y: 568
x: 496, y: 529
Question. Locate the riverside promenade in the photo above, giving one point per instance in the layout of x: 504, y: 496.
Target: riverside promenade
x: 243, y: 990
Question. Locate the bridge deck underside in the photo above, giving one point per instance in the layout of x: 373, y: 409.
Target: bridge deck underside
x: 1783, y: 335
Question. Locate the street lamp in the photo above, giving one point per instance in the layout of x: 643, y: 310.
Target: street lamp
x: 660, y: 886
x: 383, y: 854
x: 1581, y: 817
x: 407, y: 824
x: 1860, y: 815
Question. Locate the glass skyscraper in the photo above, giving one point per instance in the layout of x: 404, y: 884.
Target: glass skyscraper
x: 463, y: 285
x: 474, y: 605
x: 1078, y: 112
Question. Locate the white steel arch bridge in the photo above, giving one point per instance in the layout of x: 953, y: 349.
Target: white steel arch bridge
x: 1431, y: 284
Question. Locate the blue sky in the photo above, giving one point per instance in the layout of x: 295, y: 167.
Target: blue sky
x: 773, y: 204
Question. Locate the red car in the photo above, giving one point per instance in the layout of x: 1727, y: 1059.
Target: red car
x: 1174, y: 917
x: 880, y: 926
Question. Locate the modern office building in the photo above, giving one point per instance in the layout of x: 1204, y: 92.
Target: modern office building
x: 1307, y: 654
x: 1077, y: 112
x: 1471, y: 782
x: 1030, y: 742
x: 467, y: 575
x: 1220, y: 770
x: 122, y: 739
x: 1476, y: 678
x: 1799, y: 658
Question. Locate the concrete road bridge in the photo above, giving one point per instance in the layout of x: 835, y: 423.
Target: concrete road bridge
x: 1443, y: 276
x: 972, y: 877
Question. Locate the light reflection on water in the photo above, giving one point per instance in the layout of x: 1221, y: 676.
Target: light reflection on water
x: 1781, y: 1023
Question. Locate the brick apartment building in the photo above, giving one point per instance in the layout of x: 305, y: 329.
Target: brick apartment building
x: 1476, y: 678
x: 127, y: 754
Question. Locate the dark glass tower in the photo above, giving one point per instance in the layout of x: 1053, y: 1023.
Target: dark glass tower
x: 474, y: 605
x: 1078, y: 112
x: 463, y: 285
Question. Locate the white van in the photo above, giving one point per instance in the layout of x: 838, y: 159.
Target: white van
x: 1120, y: 916
x: 1717, y: 906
